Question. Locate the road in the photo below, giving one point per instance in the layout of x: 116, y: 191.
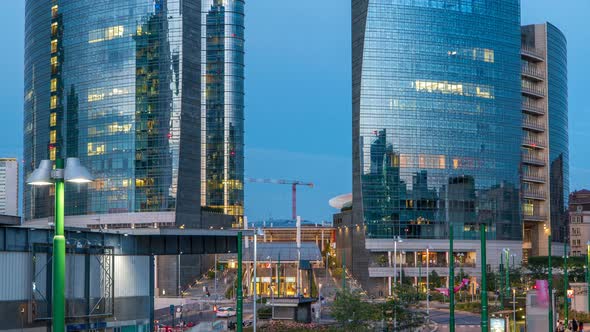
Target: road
x: 461, y: 318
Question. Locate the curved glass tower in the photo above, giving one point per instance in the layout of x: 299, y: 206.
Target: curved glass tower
x: 436, y: 118
x: 122, y: 85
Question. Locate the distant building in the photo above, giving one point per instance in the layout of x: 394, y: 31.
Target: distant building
x: 545, y: 154
x: 9, y: 186
x: 579, y: 222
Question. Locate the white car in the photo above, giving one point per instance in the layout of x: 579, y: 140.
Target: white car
x: 226, y: 312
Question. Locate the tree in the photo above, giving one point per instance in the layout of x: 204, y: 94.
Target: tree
x: 350, y: 311
x: 435, y: 280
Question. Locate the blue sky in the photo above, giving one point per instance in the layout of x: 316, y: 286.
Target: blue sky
x: 298, y: 103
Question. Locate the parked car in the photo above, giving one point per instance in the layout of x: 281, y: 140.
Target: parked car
x: 226, y: 312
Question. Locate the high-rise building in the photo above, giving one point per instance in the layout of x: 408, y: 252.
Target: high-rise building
x: 436, y: 133
x: 545, y: 159
x: 149, y: 95
x: 222, y: 87
x: 9, y: 186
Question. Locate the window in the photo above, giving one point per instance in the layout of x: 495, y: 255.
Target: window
x: 54, y: 46
x: 53, y: 119
x: 52, y: 137
x: 54, y: 29
x: 53, y: 84
x: 53, y: 102
x: 52, y: 153
x: 95, y: 149
x: 54, y: 11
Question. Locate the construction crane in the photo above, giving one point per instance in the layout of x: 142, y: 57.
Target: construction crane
x: 293, y: 184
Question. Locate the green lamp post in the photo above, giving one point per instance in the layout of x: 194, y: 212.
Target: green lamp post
x: 44, y: 175
x: 484, y: 286
x: 550, y: 284
x: 451, y: 282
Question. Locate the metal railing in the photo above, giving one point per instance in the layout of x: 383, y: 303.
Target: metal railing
x: 531, y: 141
x: 535, y: 217
x: 531, y: 193
x: 529, y: 123
x: 532, y: 72
x: 533, y: 108
x: 533, y: 91
x: 533, y: 159
x: 532, y: 176
x: 532, y: 52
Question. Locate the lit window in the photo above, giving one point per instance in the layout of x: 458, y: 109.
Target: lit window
x: 54, y: 29
x: 488, y: 55
x: 52, y: 154
x: 95, y: 149
x: 53, y: 119
x: 53, y: 60
x: 53, y: 84
x: 53, y: 102
x: 52, y: 136
x: 54, y: 46
x: 109, y: 33
x: 54, y: 11
x: 455, y: 163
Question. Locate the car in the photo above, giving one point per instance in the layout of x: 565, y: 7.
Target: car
x: 225, y: 312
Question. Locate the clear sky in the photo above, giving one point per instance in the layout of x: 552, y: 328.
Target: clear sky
x: 298, y: 96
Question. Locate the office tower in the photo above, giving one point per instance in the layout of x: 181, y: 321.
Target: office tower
x: 123, y: 85
x: 436, y: 132
x: 545, y: 159
x: 9, y: 186
x: 223, y: 106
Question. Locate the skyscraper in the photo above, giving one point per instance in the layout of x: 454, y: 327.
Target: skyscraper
x: 436, y: 130
x: 9, y: 186
x: 545, y: 161
x: 147, y: 94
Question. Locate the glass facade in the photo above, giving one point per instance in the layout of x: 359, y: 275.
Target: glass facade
x: 436, y: 117
x: 558, y: 130
x: 117, y: 83
x: 223, y: 105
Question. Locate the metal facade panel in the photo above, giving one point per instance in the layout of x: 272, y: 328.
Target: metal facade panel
x: 15, y: 283
x: 131, y: 276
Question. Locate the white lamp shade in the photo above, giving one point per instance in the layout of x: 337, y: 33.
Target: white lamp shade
x: 76, y: 173
x: 41, y: 176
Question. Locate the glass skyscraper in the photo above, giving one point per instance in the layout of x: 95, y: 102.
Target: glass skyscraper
x: 130, y: 87
x: 436, y: 118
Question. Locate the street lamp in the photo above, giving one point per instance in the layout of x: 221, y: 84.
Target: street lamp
x: 45, y: 175
x: 396, y: 239
x: 588, y: 273
x: 258, y: 232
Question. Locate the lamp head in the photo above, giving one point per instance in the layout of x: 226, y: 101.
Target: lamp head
x: 41, y: 176
x: 259, y: 232
x: 76, y: 173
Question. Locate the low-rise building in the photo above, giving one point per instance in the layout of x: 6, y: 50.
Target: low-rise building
x: 579, y: 222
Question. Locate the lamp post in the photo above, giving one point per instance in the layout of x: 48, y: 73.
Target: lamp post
x: 45, y: 175
x: 588, y: 274
x: 239, y: 291
x: 550, y: 282
x: 261, y: 233
x: 451, y: 282
x: 428, y: 283
x: 484, y: 286
x: 507, y: 271
x: 565, y: 282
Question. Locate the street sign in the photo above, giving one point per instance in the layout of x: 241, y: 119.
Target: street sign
x: 172, y: 309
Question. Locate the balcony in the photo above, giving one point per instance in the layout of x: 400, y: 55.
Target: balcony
x: 531, y: 124
x: 532, y: 53
x: 533, y: 142
x: 533, y: 159
x: 534, y: 109
x: 534, y: 194
x: 531, y: 72
x: 534, y: 177
x: 534, y: 92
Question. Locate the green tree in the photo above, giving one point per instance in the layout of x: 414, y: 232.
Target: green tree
x: 350, y: 311
x: 435, y: 280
